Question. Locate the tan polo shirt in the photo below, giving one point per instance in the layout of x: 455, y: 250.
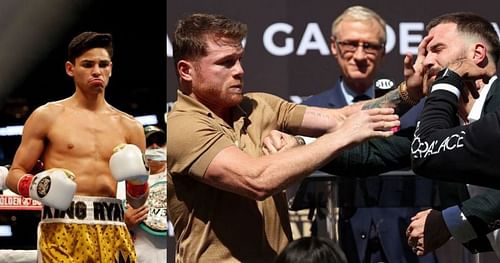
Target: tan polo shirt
x: 213, y: 225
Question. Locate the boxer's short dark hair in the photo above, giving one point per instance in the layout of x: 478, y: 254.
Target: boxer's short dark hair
x: 88, y: 40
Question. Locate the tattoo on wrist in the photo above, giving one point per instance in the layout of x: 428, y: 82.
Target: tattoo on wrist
x: 389, y: 100
x: 399, y: 99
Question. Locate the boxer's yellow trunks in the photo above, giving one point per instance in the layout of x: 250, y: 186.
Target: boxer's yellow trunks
x: 91, y: 230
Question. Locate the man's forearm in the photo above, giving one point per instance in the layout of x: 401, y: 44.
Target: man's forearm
x: 400, y: 99
x: 483, y: 211
x: 317, y: 121
x: 372, y: 157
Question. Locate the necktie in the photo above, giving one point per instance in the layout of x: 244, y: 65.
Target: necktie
x: 361, y: 97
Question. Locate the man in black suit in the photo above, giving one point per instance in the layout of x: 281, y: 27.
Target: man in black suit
x: 468, y: 151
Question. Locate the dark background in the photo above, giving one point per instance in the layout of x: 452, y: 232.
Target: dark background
x: 34, y: 36
x: 303, y: 75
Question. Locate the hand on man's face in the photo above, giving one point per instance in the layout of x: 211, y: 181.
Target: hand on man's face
x: 465, y: 103
x: 417, y: 76
x: 470, y: 71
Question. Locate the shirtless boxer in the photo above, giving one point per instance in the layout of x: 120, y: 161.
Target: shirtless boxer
x: 87, y: 146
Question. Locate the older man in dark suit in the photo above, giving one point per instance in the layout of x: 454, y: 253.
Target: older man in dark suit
x: 475, y: 42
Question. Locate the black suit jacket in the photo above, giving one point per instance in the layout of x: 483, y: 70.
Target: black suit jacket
x: 483, y: 211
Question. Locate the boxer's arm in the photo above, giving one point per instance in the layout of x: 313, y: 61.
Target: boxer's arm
x: 137, y: 136
x: 31, y: 147
x: 54, y: 187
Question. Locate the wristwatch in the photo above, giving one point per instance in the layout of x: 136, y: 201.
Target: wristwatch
x: 449, y: 76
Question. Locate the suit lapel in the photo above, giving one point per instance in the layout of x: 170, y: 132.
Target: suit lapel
x: 337, y: 98
x: 492, y: 102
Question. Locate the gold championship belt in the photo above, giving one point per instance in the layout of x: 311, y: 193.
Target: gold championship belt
x: 156, y: 222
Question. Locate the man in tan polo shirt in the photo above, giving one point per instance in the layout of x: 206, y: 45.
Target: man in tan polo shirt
x: 225, y: 198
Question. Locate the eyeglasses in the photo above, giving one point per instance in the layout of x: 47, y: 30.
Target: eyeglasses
x: 352, y: 46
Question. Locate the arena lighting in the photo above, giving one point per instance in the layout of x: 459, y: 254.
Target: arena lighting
x: 5, y: 231
x: 11, y: 130
x: 18, y: 129
x: 147, y: 119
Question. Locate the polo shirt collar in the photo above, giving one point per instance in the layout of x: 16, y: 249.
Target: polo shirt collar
x: 187, y: 103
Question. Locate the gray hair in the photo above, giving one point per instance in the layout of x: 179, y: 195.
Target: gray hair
x: 360, y: 13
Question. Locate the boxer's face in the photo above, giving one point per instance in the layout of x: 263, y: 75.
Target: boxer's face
x: 446, y: 45
x: 92, y: 70
x: 217, y: 78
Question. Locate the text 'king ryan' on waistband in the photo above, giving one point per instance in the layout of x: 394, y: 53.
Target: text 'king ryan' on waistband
x: 87, y: 210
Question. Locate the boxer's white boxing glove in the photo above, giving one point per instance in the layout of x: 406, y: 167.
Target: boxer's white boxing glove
x: 127, y: 163
x: 3, y: 175
x: 54, y: 187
